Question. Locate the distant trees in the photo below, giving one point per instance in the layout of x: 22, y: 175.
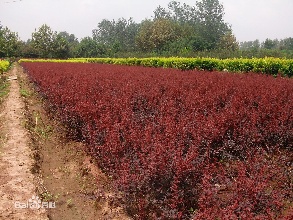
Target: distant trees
x: 177, y: 30
x: 250, y: 45
x: 270, y: 44
x: 88, y: 47
x: 117, y: 35
x: 285, y: 44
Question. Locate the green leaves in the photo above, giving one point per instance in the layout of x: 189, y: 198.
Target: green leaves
x: 271, y: 66
x: 4, y: 65
x: 43, y: 41
x: 8, y: 43
x: 48, y: 43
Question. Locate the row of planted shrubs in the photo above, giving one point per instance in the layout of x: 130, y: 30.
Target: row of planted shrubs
x: 191, y: 146
x: 272, y: 66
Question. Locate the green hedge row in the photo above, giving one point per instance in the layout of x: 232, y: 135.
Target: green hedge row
x: 271, y: 66
x: 79, y: 60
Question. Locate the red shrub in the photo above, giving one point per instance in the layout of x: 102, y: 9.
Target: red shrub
x: 257, y: 188
x: 171, y: 138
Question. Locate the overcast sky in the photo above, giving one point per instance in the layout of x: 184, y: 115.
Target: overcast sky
x: 250, y: 19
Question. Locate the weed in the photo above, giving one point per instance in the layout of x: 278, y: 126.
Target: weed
x: 69, y: 203
x: 25, y: 93
x: 49, y: 197
x: 40, y: 128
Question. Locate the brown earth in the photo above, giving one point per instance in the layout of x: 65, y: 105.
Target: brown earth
x: 38, y: 159
x: 16, y: 180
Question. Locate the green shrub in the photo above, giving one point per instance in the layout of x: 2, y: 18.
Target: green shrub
x: 271, y: 66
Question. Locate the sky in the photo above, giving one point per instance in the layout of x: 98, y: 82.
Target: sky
x: 250, y: 19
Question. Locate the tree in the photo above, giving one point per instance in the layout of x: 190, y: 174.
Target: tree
x: 117, y: 35
x: 142, y: 38
x: 88, y: 47
x: 201, y: 26
x: 60, y: 47
x: 211, y: 19
x: 250, y: 45
x: 43, y: 41
x: 270, y: 44
x: 9, y: 42
x: 286, y: 44
x: 71, y: 43
x: 154, y: 35
x: 182, y: 14
x: 27, y: 49
x: 228, y: 42
x: 161, y: 13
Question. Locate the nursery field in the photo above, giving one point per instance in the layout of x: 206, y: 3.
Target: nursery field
x: 180, y: 144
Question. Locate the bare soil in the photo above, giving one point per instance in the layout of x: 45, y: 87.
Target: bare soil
x: 37, y: 158
x: 16, y: 180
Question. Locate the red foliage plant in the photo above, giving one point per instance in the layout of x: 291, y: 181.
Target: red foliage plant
x: 181, y: 144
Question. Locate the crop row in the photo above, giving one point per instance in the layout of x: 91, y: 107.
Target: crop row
x: 272, y: 66
x: 4, y: 65
x: 178, y: 144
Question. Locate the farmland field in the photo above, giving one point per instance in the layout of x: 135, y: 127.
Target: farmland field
x: 180, y: 144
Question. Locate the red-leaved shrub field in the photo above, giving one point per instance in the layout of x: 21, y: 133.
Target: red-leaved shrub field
x: 181, y: 144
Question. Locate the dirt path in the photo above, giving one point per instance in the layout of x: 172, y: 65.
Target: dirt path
x: 16, y: 180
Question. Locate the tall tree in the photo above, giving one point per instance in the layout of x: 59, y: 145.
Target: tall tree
x: 228, y: 42
x: 211, y: 18
x: 202, y: 26
x: 70, y: 43
x: 43, y: 41
x: 117, y: 35
x: 154, y: 35
x: 60, y: 47
x: 9, y: 42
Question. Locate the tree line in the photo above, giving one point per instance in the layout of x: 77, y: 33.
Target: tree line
x: 177, y: 30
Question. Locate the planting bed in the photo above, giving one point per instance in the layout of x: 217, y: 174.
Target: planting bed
x: 181, y: 145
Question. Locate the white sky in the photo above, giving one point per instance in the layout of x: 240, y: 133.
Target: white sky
x: 250, y: 19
